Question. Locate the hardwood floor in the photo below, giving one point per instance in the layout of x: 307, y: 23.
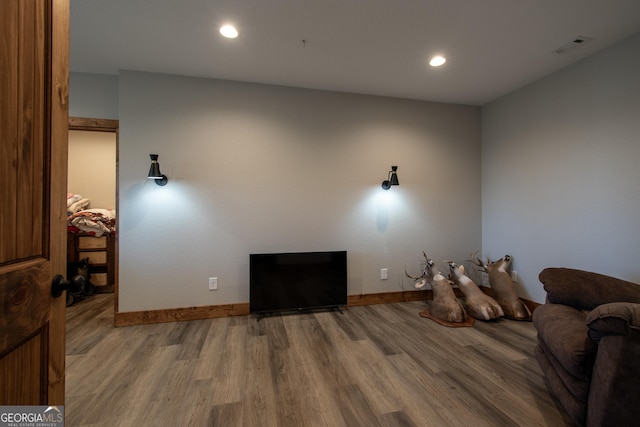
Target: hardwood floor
x: 377, y: 365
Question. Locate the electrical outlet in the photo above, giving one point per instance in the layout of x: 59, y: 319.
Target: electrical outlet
x: 213, y: 283
x: 514, y: 276
x: 384, y: 272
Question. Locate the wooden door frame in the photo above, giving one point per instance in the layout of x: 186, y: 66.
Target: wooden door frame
x: 105, y: 125
x: 58, y: 100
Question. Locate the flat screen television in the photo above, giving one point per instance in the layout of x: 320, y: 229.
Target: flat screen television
x: 297, y: 281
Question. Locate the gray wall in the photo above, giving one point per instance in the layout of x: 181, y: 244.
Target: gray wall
x: 93, y: 96
x: 256, y: 168
x: 560, y: 174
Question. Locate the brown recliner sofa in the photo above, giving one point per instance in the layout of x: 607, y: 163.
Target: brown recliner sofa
x: 589, y: 345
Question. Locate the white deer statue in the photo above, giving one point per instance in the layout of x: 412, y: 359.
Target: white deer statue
x: 504, y: 291
x: 444, y: 305
x: 478, y: 304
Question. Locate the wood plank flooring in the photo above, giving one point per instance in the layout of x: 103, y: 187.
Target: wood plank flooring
x: 377, y: 365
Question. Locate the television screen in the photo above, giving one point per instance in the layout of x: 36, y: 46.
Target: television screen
x: 297, y: 280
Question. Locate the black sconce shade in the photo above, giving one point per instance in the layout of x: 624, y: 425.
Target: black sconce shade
x: 392, y: 179
x: 154, y: 171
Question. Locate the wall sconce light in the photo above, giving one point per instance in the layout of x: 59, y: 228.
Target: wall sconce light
x: 154, y: 171
x: 392, y: 179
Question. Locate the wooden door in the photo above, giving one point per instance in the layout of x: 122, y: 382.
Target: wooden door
x: 33, y: 161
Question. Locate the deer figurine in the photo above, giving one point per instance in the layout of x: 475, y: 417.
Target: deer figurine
x: 478, y: 304
x: 444, y: 305
x: 427, y: 273
x: 503, y: 290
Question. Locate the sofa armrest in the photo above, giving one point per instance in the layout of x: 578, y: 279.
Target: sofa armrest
x: 617, y: 318
x: 585, y: 290
x: 613, y: 392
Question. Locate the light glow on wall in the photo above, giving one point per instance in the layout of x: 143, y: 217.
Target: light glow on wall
x: 229, y: 31
x: 437, y: 61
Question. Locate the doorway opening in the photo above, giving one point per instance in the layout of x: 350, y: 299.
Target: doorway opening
x: 92, y: 203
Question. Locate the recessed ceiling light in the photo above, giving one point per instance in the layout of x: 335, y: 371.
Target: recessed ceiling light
x: 573, y: 43
x: 437, y: 61
x: 229, y: 31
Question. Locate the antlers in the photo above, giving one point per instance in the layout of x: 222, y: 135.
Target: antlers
x: 428, y: 264
x: 410, y: 276
x: 426, y: 274
x: 479, y: 262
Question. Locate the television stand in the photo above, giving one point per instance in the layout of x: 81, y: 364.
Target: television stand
x: 264, y: 314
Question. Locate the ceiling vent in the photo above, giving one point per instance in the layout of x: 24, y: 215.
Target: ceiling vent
x: 578, y: 41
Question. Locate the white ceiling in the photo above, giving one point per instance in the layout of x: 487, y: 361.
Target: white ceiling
x: 376, y: 47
